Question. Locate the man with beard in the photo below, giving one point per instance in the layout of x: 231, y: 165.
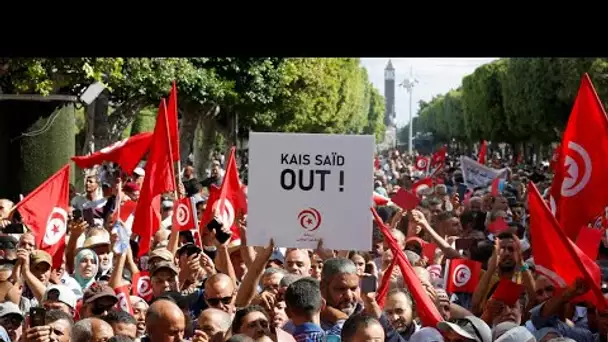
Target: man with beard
x: 340, y: 289
x: 399, y: 311
x: 506, y: 263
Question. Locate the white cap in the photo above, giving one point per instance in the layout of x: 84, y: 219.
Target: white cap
x: 10, y: 308
x: 139, y: 171
x: 60, y: 293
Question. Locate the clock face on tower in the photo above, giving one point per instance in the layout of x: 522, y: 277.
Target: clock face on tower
x: 389, y: 74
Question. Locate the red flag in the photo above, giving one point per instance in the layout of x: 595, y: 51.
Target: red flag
x: 385, y: 284
x: 422, y: 184
x: 422, y: 163
x: 159, y: 179
x: 380, y: 200
x: 127, y: 213
x: 589, y: 240
x: 427, y: 311
x: 405, y: 199
x: 44, y: 211
x: 555, y: 256
x: 172, y: 120
x: 483, y: 149
x: 508, y: 291
x: 124, y: 300
x: 184, y: 215
x: 127, y: 153
x: 463, y: 276
x: 228, y: 201
x: 498, y: 226
x: 142, y: 286
x: 377, y: 163
x: 438, y: 158
x: 579, y: 188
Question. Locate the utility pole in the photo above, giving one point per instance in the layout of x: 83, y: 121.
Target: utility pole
x: 409, y: 84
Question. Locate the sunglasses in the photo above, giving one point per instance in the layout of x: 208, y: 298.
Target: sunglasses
x: 216, y: 301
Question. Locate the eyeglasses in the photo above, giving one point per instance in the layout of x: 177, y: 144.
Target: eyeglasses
x: 216, y: 301
x: 464, y: 322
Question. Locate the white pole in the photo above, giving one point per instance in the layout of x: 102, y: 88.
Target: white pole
x: 411, y: 123
x: 408, y: 84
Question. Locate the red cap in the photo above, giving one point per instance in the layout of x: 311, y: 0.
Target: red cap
x: 131, y: 187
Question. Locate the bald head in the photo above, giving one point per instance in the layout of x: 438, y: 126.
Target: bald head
x: 214, y: 322
x: 165, y: 318
x: 220, y: 293
x: 91, y: 329
x: 297, y: 261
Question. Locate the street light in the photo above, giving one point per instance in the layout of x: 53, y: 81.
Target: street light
x: 409, y: 84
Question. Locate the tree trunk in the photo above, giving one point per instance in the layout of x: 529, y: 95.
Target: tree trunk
x: 204, y: 142
x: 191, y: 117
x: 36, y: 140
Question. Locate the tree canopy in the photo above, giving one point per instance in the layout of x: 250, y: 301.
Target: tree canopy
x: 512, y: 100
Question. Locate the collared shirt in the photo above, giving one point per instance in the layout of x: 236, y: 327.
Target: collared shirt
x: 309, y: 332
x: 575, y: 333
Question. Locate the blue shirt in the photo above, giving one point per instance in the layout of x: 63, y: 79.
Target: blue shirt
x: 308, y: 332
x: 575, y: 333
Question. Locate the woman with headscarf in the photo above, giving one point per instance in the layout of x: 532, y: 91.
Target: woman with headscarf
x: 86, y: 264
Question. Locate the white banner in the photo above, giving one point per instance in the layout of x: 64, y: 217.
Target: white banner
x: 476, y: 175
x: 306, y: 187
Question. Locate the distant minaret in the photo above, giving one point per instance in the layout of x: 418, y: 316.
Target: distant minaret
x: 389, y: 95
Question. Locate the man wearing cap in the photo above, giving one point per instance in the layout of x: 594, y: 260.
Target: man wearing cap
x: 98, y: 299
x: 36, y: 272
x: 59, y: 297
x: 11, y: 319
x: 159, y: 254
x: 469, y: 329
x: 163, y: 277
x: 138, y: 175
x: 101, y: 245
x: 131, y: 190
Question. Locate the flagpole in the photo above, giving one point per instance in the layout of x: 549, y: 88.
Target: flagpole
x: 164, y: 104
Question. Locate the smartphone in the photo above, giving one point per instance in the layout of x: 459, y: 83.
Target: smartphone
x: 219, y: 234
x: 37, y: 317
x: 369, y: 284
x: 87, y: 215
x: 77, y: 214
x: 464, y: 244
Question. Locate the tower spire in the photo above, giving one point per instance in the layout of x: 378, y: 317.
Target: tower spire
x: 389, y: 66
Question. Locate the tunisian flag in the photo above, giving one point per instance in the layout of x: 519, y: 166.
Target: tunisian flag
x: 555, y: 256
x: 427, y: 311
x: 44, y: 211
x: 227, y: 201
x: 172, y: 121
x: 184, y: 214
x: 463, y: 276
x: 127, y: 153
x: 422, y: 163
x: 579, y: 185
x: 159, y: 179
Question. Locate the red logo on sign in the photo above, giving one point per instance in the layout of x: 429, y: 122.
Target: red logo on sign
x: 310, y: 219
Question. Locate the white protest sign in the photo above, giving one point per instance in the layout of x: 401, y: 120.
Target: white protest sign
x: 306, y: 187
x: 476, y: 174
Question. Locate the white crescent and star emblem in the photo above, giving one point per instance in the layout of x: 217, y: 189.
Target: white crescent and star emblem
x: 143, y: 286
x: 571, y: 184
x: 182, y: 214
x: 227, y: 216
x: 421, y: 163
x: 55, y: 226
x: 462, y: 275
x: 122, y: 300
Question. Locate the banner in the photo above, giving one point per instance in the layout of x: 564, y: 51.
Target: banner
x: 477, y: 175
x: 306, y: 187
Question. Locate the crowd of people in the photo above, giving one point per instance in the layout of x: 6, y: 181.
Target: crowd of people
x: 222, y: 291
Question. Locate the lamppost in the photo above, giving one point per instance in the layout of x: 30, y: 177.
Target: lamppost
x: 409, y: 84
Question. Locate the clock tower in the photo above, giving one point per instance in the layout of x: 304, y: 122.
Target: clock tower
x: 389, y: 95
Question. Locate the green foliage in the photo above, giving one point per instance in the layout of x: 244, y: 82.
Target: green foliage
x: 144, y: 121
x: 513, y: 100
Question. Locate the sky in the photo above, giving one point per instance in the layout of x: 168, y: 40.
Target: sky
x: 435, y: 76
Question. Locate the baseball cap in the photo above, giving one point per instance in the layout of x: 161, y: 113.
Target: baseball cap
x: 8, y: 247
x: 4, y: 335
x: 517, y: 334
x: 39, y: 256
x: 131, y: 187
x: 163, y: 265
x: 10, y: 308
x: 96, y: 291
x: 501, y: 328
x: 161, y: 253
x: 60, y: 293
x: 139, y: 171
x: 278, y: 255
x: 470, y: 327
